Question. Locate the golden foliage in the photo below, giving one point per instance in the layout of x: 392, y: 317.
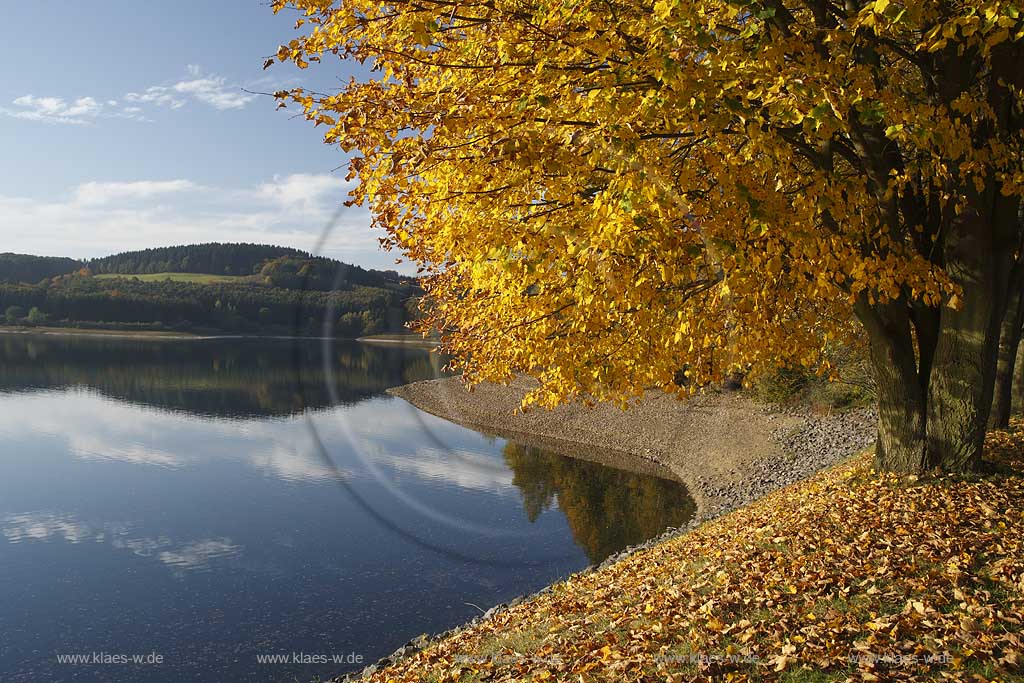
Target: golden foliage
x: 851, y: 575
x: 604, y: 193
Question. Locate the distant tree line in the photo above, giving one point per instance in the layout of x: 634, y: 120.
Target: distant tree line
x: 323, y: 274
x: 279, y: 266
x: 33, y: 269
x: 214, y: 258
x: 15, y: 315
x: 225, y: 306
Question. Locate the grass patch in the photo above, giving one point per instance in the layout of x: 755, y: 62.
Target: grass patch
x: 525, y: 640
x: 808, y: 675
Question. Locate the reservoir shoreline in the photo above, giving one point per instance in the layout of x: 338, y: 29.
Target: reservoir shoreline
x: 156, y: 335
x: 728, y: 450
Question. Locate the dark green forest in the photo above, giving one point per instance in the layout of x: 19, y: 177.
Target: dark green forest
x: 26, y: 268
x: 282, y: 291
x: 323, y: 274
x: 214, y: 258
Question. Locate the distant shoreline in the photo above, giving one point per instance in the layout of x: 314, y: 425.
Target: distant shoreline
x: 403, y: 339
x: 43, y: 330
x: 157, y: 335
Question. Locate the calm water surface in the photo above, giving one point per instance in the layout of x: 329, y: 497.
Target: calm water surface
x: 215, y: 502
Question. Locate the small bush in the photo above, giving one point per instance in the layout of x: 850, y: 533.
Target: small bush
x: 36, y: 317
x: 853, y: 385
x: 14, y: 314
x: 783, y: 386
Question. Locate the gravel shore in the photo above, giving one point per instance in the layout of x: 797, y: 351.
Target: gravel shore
x: 726, y: 448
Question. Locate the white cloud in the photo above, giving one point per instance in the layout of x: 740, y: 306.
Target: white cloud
x: 89, y: 447
x: 211, y: 90
x: 107, y: 431
x: 142, y: 547
x: 105, y: 193
x: 42, y: 526
x: 81, y: 111
x: 54, y: 109
x: 304, y: 191
x: 158, y: 95
x: 464, y: 469
x: 197, y: 86
x: 100, y: 218
x: 208, y: 89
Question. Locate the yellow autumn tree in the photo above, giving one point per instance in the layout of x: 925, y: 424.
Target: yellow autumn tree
x: 615, y: 195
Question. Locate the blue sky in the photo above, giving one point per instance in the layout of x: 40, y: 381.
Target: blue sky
x: 124, y: 124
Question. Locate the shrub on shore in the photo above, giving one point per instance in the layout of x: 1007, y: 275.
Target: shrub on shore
x: 851, y: 385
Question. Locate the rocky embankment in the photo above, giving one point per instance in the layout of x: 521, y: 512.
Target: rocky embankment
x: 816, y: 442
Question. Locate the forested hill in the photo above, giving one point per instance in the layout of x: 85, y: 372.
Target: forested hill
x: 214, y: 258
x: 277, y: 266
x: 28, y: 268
x: 250, y: 288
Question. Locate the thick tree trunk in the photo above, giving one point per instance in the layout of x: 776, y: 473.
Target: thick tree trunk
x: 1018, y: 382
x: 1009, y: 342
x: 935, y: 392
x: 979, y: 257
x: 901, y: 444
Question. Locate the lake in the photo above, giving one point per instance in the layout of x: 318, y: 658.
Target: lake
x: 190, y: 510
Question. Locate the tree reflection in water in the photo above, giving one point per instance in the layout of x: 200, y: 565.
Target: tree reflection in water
x: 607, y: 509
x: 220, y: 377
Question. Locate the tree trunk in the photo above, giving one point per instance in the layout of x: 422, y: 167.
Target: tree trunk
x: 1009, y: 341
x: 1007, y: 389
x: 901, y: 444
x: 1018, y: 382
x: 979, y: 257
x: 935, y: 396
x: 946, y: 389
